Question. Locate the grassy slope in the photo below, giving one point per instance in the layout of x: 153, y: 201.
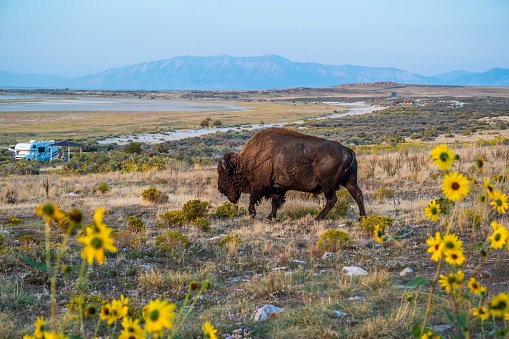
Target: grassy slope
x: 277, y: 263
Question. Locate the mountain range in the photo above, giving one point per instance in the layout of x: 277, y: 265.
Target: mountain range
x: 223, y: 72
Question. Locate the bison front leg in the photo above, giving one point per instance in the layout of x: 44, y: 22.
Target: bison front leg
x: 277, y: 202
x: 331, y: 201
x: 254, y: 198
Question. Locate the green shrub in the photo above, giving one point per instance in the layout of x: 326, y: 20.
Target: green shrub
x: 27, y: 240
x: 169, y: 241
x: 152, y: 195
x: 171, y: 219
x: 229, y: 210
x: 201, y: 223
x: 103, y: 188
x: 297, y: 212
x: 383, y: 194
x: 13, y: 221
x: 231, y: 238
x: 1, y: 242
x: 333, y: 240
x: 133, y: 148
x: 135, y: 225
x: 195, y: 209
x: 342, y: 206
x: 369, y: 223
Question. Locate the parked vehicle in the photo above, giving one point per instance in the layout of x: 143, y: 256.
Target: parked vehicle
x: 36, y: 150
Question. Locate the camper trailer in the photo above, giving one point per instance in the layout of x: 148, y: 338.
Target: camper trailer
x: 36, y: 150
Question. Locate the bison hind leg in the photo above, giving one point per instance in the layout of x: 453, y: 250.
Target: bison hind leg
x: 356, y: 193
x: 331, y: 201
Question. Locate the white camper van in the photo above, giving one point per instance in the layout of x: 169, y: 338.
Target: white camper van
x: 36, y: 150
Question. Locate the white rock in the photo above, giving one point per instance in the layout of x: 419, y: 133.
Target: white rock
x: 341, y: 225
x: 299, y: 261
x: 356, y: 298
x: 442, y: 328
x: 354, y: 271
x: 406, y: 271
x: 263, y: 312
x: 339, y: 313
x: 72, y: 194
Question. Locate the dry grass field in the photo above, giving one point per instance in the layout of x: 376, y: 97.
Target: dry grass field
x: 253, y: 262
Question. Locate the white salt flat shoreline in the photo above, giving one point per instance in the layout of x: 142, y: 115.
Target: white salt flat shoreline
x: 354, y: 108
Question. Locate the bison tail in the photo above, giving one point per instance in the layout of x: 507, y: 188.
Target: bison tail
x: 354, y: 159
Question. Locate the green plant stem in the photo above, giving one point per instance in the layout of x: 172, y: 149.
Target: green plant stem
x: 430, y: 296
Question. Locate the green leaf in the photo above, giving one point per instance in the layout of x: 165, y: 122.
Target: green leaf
x: 417, y: 281
x: 449, y: 316
x: 416, y: 331
x: 36, y: 264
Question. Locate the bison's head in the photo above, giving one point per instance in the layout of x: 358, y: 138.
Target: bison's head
x: 227, y: 180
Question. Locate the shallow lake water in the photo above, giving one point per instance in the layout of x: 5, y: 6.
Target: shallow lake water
x: 24, y: 103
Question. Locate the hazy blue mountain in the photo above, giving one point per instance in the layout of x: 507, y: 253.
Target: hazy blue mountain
x: 450, y: 76
x: 222, y: 72
x: 493, y: 77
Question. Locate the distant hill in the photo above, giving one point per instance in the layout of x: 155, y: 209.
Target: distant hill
x: 223, y: 72
x: 450, y: 76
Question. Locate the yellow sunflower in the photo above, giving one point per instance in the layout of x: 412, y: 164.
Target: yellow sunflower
x: 499, y: 237
x: 118, y: 309
x: 40, y: 327
x: 131, y: 329
x: 429, y: 335
x: 452, y: 281
x: 452, y: 243
x: 158, y: 315
x: 454, y: 257
x: 499, y: 305
x: 107, y: 313
x: 50, y: 211
x: 455, y: 186
x: 379, y: 233
x: 95, y: 244
x: 53, y: 335
x: 481, y: 312
x: 436, y: 247
x: 209, y: 331
x: 490, y: 189
x: 499, y: 202
x: 475, y: 287
x: 443, y: 157
x: 432, y: 210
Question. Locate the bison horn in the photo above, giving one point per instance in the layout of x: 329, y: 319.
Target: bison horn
x: 224, y: 164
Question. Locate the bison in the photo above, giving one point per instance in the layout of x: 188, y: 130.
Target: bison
x: 277, y: 160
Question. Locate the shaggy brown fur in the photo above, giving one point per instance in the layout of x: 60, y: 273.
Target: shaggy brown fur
x: 276, y: 160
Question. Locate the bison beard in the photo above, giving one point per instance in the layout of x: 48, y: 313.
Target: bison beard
x: 276, y: 160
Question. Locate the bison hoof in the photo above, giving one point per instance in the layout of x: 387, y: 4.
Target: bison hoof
x: 252, y: 215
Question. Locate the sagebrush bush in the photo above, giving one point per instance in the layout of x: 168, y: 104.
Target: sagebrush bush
x: 103, y: 188
x: 203, y: 224
x: 152, y: 195
x: 135, y: 225
x: 369, y: 223
x: 171, y: 240
x: 382, y: 194
x: 229, y: 210
x: 13, y: 221
x: 333, y: 240
x: 171, y: 219
x: 342, y: 206
x: 195, y: 209
x: 230, y: 238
